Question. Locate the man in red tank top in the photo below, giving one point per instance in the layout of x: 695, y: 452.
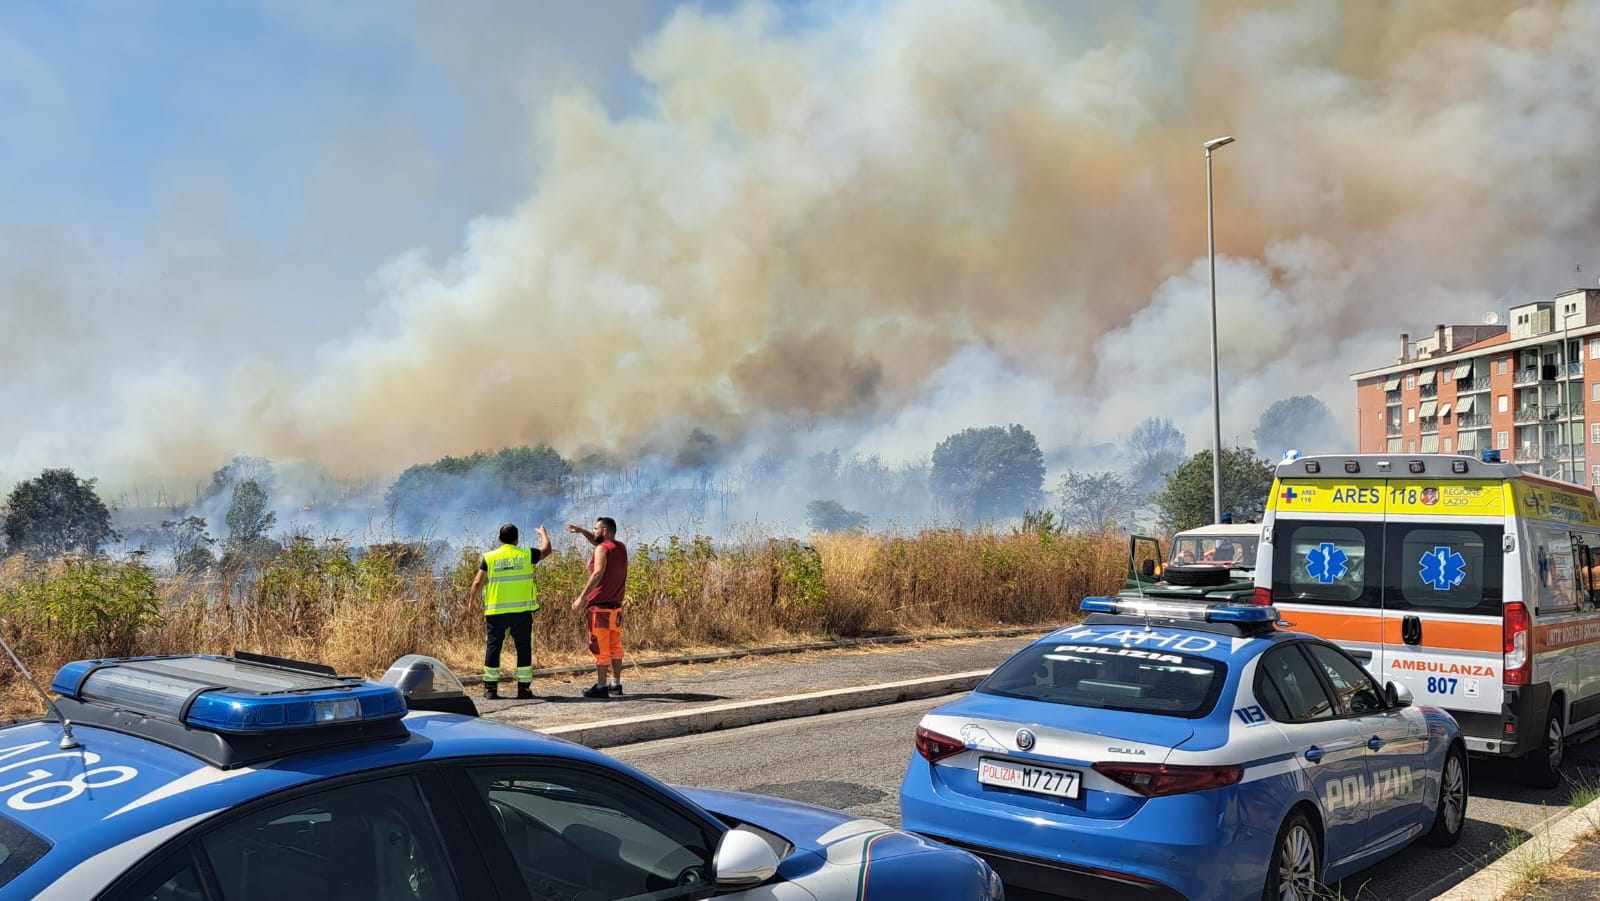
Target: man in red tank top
x: 600, y: 602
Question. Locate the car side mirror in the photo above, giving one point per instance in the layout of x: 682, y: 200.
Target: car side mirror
x: 1148, y: 569
x: 1397, y: 695
x: 743, y: 859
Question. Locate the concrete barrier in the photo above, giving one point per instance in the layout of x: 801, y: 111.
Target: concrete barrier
x: 656, y: 726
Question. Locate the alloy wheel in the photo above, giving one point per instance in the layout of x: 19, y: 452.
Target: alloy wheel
x: 1557, y: 742
x: 1453, y: 793
x: 1297, y: 865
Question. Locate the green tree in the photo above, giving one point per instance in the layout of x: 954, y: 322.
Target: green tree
x: 832, y: 516
x: 516, y: 477
x: 1155, y: 448
x: 191, y: 543
x: 248, y: 516
x: 1303, y: 423
x: 56, y: 513
x: 1097, y: 502
x: 989, y: 473
x: 1185, y: 501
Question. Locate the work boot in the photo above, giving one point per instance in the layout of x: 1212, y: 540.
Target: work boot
x: 491, y: 691
x: 524, y: 691
x: 616, y: 689
x: 598, y: 690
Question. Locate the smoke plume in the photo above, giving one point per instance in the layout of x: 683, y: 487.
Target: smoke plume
x: 890, y: 222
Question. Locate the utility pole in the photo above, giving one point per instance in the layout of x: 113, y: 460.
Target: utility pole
x: 1216, y: 390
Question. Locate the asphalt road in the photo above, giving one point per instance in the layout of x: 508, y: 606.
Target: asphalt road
x: 853, y: 761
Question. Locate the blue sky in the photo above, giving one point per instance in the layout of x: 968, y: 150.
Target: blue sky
x: 297, y: 146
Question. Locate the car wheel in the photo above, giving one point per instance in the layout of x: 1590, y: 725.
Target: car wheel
x: 1452, y: 811
x: 1293, y: 872
x: 1541, y: 768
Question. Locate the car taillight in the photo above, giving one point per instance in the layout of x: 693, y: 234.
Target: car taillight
x: 1518, y: 662
x: 1156, y: 779
x: 1261, y: 596
x: 936, y: 747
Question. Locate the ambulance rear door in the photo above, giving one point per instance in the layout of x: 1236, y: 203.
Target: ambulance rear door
x: 1446, y: 559
x: 1325, y: 561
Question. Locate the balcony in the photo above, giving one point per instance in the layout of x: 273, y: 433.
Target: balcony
x: 1471, y: 421
x: 1430, y: 424
x: 1574, y: 369
x: 1393, y: 430
x: 1529, y: 376
x: 1558, y: 453
x: 1427, y: 391
x: 1392, y: 398
x: 1528, y: 414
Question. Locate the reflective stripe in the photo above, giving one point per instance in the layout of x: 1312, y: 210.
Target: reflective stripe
x: 524, y: 674
x: 495, y: 580
x: 491, y: 674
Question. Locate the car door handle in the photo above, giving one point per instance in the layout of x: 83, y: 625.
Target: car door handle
x: 1374, y: 742
x: 1313, y: 753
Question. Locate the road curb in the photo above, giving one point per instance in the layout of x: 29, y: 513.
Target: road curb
x: 1550, y: 841
x: 653, y: 727
x: 779, y: 649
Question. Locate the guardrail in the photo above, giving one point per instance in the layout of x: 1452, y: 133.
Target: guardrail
x: 1528, y: 414
x: 1525, y: 377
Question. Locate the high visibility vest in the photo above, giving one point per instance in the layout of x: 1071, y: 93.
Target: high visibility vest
x: 510, y: 587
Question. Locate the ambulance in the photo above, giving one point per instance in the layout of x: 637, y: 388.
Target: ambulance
x: 1470, y: 582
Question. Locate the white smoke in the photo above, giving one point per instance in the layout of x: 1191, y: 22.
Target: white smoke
x: 891, y: 222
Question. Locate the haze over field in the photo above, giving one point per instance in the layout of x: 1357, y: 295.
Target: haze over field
x: 365, y: 236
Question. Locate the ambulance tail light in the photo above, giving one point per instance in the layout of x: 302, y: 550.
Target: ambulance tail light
x: 1154, y: 780
x: 1261, y: 597
x: 935, y: 747
x: 1518, y: 662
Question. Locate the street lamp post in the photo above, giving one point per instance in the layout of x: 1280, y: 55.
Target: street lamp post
x: 1216, y: 390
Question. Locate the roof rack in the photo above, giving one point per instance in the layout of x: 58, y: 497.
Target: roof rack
x: 229, y: 711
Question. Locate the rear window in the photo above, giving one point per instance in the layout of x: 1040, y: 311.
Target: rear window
x: 1238, y: 552
x: 1455, y: 569
x: 1327, y: 562
x: 20, y: 848
x: 1142, y: 680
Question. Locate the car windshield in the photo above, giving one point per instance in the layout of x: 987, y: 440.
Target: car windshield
x: 19, y: 848
x: 1239, y: 552
x: 1143, y: 680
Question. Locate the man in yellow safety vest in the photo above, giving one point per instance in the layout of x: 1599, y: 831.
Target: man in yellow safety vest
x: 509, y: 600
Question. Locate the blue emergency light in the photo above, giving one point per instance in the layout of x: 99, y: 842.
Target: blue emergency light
x: 225, y: 694
x: 1243, y: 615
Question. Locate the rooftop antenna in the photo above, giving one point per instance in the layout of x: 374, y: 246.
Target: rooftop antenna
x: 1139, y: 585
x: 67, y: 741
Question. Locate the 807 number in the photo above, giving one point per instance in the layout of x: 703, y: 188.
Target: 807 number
x: 1442, y: 685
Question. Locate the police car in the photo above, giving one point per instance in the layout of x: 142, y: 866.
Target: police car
x: 1173, y: 751
x: 203, y: 778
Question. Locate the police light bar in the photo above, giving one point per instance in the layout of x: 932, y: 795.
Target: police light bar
x: 227, y: 695
x: 1219, y: 613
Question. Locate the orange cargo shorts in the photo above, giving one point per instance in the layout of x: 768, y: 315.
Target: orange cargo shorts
x: 605, y: 635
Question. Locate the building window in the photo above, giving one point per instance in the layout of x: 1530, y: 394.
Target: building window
x: 1594, y: 348
x: 1505, y: 366
x: 1504, y: 403
x: 1411, y: 446
x: 1594, y: 433
x: 1594, y: 475
x: 1500, y: 442
x: 1594, y: 392
x: 1411, y: 381
x: 1447, y: 374
x: 1448, y: 444
x: 1411, y: 414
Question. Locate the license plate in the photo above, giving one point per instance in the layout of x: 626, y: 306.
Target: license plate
x: 1041, y: 780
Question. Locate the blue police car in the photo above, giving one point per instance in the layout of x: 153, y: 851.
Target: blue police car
x: 246, y: 778
x: 1173, y: 751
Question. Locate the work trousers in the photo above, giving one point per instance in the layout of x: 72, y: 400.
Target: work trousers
x: 520, y: 625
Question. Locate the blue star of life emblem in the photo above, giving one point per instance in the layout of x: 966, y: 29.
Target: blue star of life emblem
x: 1326, y: 563
x: 1443, y: 568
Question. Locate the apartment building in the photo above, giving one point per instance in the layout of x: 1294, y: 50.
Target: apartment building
x: 1529, y: 389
